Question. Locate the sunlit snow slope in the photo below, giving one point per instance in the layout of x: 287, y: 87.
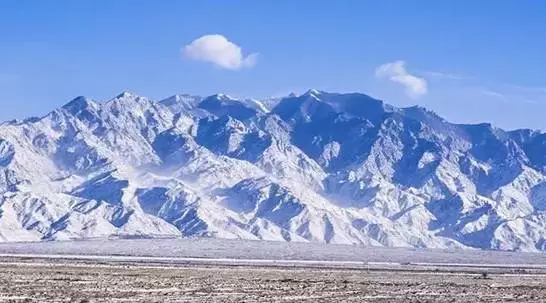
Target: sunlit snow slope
x: 321, y: 167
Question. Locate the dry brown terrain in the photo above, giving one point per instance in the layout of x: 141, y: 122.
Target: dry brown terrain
x: 35, y: 280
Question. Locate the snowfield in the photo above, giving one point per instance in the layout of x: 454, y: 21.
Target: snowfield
x: 319, y: 167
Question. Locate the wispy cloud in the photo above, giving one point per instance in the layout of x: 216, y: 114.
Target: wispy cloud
x: 504, y: 92
x: 396, y: 72
x: 493, y: 94
x: 525, y: 88
x: 221, y: 52
x: 515, y: 94
x: 443, y: 75
x: 527, y: 94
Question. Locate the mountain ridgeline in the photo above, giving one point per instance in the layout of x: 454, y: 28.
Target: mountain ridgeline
x: 321, y: 167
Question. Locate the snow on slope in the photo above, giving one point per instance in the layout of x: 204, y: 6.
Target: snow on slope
x: 320, y: 167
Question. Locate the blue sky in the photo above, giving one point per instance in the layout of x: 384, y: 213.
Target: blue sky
x: 478, y: 60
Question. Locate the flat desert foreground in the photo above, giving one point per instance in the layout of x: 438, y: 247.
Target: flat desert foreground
x: 214, y: 270
x: 48, y: 280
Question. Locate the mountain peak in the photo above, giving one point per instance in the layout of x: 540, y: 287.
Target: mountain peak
x: 185, y: 98
x: 126, y: 95
x: 78, y: 104
x: 313, y: 92
x: 223, y: 97
x: 221, y: 104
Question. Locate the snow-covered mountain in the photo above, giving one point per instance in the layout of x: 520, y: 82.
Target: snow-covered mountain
x: 324, y: 167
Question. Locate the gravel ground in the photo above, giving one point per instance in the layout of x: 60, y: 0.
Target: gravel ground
x: 35, y: 280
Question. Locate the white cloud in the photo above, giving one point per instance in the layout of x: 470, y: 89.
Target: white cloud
x: 396, y: 72
x: 219, y: 51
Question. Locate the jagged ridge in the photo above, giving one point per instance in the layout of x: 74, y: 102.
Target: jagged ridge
x: 325, y: 167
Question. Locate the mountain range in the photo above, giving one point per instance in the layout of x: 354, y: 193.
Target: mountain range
x: 321, y: 167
